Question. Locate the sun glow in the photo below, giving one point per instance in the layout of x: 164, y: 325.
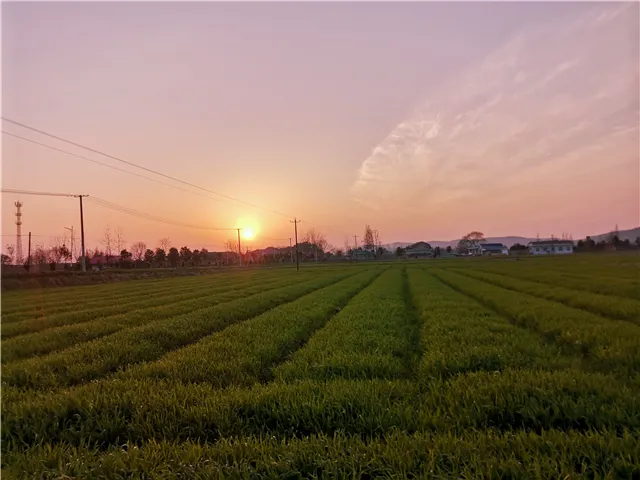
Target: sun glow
x: 247, y: 233
x: 249, y: 227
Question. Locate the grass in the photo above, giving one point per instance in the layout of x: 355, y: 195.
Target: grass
x: 458, y: 368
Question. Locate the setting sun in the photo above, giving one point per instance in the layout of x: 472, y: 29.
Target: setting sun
x: 247, y: 233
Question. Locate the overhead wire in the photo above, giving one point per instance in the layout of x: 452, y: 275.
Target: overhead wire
x: 135, y: 165
x: 130, y: 211
x: 109, y: 166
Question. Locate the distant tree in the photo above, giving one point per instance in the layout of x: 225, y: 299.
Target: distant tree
x: 173, y: 256
x: 449, y: 248
x: 339, y: 253
x: 185, y: 255
x: 40, y: 255
x: 164, y: 244
x: 6, y: 259
x: 10, y: 249
x: 380, y: 251
x: 368, y: 241
x: 195, y: 257
x: 638, y: 241
x: 204, y: 256
x: 148, y: 256
x: 436, y: 252
x: 317, y: 238
x: 107, y: 241
x: 125, y: 259
x: 138, y: 249
x: 231, y: 246
x: 589, y: 243
x: 160, y: 256
x: 119, y: 240
x: 469, y: 240
x: 517, y: 247
x: 400, y: 252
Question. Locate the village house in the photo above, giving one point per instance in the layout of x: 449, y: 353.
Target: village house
x: 493, y: 249
x: 419, y: 250
x: 550, y: 247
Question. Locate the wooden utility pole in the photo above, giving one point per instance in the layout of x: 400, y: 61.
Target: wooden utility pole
x: 29, y: 253
x: 84, y: 260
x: 355, y: 247
x: 239, y: 250
x: 295, y: 223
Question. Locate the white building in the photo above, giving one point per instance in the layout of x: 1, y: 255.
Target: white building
x: 551, y: 247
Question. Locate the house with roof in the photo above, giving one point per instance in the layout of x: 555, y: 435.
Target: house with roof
x: 418, y: 250
x: 551, y: 247
x: 493, y: 249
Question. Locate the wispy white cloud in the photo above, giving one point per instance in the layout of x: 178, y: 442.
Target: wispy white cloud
x: 546, y: 96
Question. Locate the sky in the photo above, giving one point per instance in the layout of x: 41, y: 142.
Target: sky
x: 424, y: 120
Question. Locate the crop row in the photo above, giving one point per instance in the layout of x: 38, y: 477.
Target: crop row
x: 114, y: 411
x: 53, y: 339
x: 116, y: 308
x: 243, y: 353
x: 610, y: 306
x: 374, y: 336
x: 49, y: 297
x: 588, y: 282
x: 459, y: 335
x: 607, y: 345
x: 94, y: 359
x: 474, y: 454
x: 33, y: 309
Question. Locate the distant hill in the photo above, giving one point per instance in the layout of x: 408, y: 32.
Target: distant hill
x: 630, y: 234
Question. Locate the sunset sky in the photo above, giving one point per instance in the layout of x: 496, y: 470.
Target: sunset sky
x: 425, y: 120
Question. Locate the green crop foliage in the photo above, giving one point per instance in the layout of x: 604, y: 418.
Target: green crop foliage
x: 608, y: 345
x: 372, y: 337
x: 613, y: 307
x: 450, y: 368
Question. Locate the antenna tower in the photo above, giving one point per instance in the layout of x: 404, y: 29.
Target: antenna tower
x: 19, y: 258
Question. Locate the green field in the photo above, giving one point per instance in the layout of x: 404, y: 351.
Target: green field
x: 462, y: 368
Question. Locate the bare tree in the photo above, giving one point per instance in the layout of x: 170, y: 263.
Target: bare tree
x: 368, y: 241
x: 469, y: 240
x: 107, y: 241
x: 40, y: 254
x: 138, y: 249
x: 231, y: 246
x: 164, y: 244
x: 120, y: 241
x: 316, y: 238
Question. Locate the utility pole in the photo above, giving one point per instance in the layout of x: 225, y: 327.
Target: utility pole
x: 84, y: 260
x: 295, y: 222
x: 29, y: 254
x: 71, y: 230
x: 355, y: 247
x: 239, y: 250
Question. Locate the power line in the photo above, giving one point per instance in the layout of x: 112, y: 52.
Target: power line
x: 48, y: 194
x: 155, y: 172
x: 108, y: 166
x: 148, y: 216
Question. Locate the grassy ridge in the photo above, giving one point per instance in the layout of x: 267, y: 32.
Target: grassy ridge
x: 487, y: 454
x: 243, y: 353
x: 369, y: 338
x: 609, y: 345
x: 98, y: 358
